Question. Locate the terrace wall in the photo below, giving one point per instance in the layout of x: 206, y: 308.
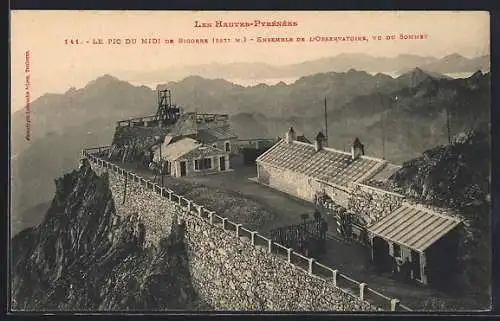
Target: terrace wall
x: 372, y: 203
x: 143, y: 136
x: 233, y: 268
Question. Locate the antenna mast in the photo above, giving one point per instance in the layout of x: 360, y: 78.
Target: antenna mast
x: 166, y: 112
x: 196, y: 109
x: 326, y: 122
x: 448, y: 125
x: 383, y: 135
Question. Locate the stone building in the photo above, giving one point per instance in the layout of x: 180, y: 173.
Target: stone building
x: 189, y: 157
x: 209, y: 129
x: 305, y: 170
x: 407, y: 239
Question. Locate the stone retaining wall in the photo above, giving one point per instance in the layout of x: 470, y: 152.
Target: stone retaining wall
x: 155, y: 212
x: 371, y: 203
x: 228, y: 273
x: 232, y: 275
x: 143, y: 136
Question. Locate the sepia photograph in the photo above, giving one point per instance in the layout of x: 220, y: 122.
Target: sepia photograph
x: 264, y: 161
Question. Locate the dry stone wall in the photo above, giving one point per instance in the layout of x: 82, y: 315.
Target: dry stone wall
x: 228, y: 273
x: 371, y: 203
x: 155, y: 212
x: 142, y: 137
x: 232, y: 275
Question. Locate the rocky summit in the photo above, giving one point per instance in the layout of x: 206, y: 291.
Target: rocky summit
x: 83, y: 256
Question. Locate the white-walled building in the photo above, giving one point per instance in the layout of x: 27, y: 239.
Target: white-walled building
x: 188, y: 157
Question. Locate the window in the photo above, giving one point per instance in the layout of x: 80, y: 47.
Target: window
x: 227, y: 146
x: 201, y: 164
x: 397, y: 250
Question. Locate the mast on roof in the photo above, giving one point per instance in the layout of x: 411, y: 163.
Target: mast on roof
x: 167, y: 112
x: 326, y: 122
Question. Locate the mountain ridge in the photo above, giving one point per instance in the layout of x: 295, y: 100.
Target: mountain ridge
x: 452, y: 63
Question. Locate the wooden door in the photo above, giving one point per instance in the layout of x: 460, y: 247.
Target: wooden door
x: 381, y: 256
x: 415, y: 260
x: 222, y: 163
x: 183, y: 168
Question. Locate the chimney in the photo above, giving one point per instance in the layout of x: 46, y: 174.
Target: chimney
x: 290, y: 135
x: 357, y: 149
x: 318, y: 143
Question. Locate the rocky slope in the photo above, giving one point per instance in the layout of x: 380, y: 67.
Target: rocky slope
x: 84, y: 256
x: 457, y: 177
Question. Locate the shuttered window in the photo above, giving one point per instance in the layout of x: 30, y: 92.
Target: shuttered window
x: 201, y: 164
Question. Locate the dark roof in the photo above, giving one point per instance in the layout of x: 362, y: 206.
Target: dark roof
x: 184, y: 126
x: 414, y: 227
x: 327, y: 164
x: 187, y: 127
x: 303, y: 138
x: 208, y: 135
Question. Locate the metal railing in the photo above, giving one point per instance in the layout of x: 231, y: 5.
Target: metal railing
x: 347, y: 285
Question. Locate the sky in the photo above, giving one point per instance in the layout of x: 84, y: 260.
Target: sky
x: 55, y: 66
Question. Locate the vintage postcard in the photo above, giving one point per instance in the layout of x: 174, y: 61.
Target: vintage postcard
x: 250, y: 161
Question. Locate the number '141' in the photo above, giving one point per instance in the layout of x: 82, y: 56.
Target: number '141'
x: 71, y: 41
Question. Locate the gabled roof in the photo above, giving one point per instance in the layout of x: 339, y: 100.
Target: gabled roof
x: 174, y: 151
x: 186, y: 126
x: 203, y: 151
x: 303, y: 138
x: 186, y: 148
x: 216, y: 133
x: 414, y: 227
x: 327, y: 165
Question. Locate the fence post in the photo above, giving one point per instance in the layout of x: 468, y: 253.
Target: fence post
x: 253, y: 237
x: 238, y: 230
x: 170, y: 195
x: 211, y: 216
x: 394, y: 304
x: 289, y: 252
x: 311, y: 260
x: 270, y: 246
x: 161, y: 192
x: 362, y: 287
x: 224, y: 219
x: 335, y: 277
x: 188, y: 206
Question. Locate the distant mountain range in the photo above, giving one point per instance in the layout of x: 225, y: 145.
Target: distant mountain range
x: 62, y: 124
x: 454, y: 63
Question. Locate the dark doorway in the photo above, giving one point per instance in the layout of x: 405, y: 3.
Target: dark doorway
x: 183, y: 168
x: 415, y: 261
x: 381, y: 256
x: 222, y: 162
